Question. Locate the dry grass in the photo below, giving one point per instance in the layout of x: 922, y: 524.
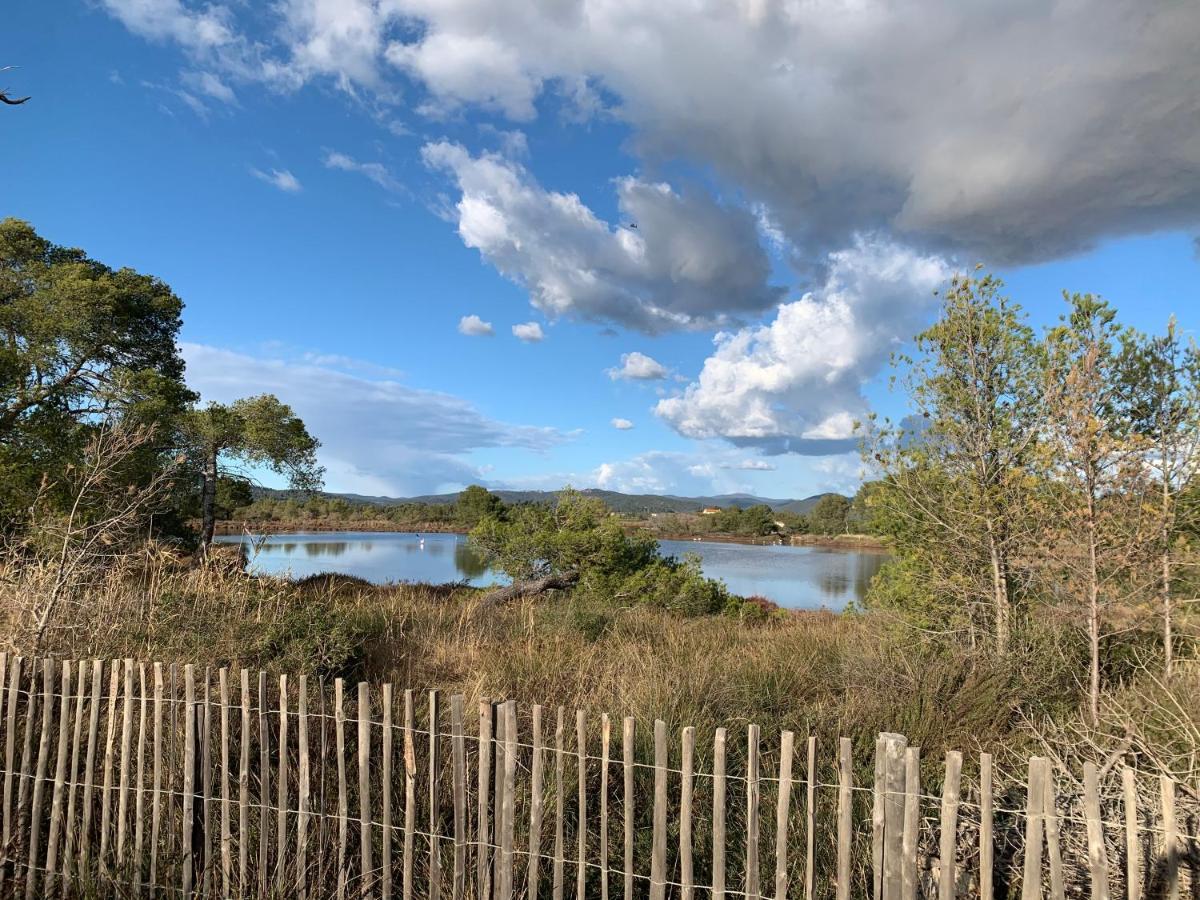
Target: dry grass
x: 813, y: 673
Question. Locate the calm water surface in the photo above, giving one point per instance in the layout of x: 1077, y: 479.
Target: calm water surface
x: 796, y: 577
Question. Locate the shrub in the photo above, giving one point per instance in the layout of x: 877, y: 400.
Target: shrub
x: 317, y: 638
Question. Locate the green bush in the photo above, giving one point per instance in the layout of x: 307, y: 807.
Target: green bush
x: 316, y: 638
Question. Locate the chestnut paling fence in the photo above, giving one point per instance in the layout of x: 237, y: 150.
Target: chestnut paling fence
x: 124, y: 778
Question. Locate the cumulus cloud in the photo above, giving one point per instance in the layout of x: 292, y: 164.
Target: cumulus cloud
x: 1010, y: 131
x: 637, y: 366
x: 690, y: 263
x: 1014, y: 131
x: 529, y: 332
x: 196, y: 28
x: 794, y: 384
x: 279, y: 178
x: 378, y: 435
x: 622, y: 424
x: 665, y: 472
x: 474, y: 326
x: 376, y: 172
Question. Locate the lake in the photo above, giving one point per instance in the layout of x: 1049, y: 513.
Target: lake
x: 795, y: 577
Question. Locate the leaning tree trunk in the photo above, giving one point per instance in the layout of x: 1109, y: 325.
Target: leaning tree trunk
x: 531, y: 588
x: 208, y: 500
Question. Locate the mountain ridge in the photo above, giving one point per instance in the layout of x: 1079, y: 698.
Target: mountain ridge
x: 616, y: 500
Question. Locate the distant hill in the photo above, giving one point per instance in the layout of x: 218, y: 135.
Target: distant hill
x: 616, y: 501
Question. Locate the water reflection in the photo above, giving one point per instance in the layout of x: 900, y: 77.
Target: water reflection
x: 798, y: 577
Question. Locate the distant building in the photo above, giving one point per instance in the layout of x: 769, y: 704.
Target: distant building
x: 710, y: 510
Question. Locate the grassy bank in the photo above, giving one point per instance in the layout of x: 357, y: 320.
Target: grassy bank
x: 833, y: 675
x: 850, y: 675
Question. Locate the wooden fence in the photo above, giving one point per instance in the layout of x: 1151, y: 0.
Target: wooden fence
x: 125, y: 778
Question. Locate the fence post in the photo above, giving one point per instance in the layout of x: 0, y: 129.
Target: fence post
x: 39, y: 777
x: 304, y: 784
x: 951, y: 787
x: 1170, y: 836
x: 114, y: 687
x: 581, y: 802
x: 783, y: 801
x: 1053, y: 845
x: 139, y: 805
x: 845, y: 821
x: 226, y: 802
x: 483, y: 830
x: 878, y: 793
x: 912, y: 822
x: 156, y: 796
x: 752, y: 799
x: 1097, y: 856
x: 987, y: 844
x: 686, y: 782
x: 536, y: 776
x: 1035, y: 799
x: 508, y: 801
x: 366, y: 865
x: 658, y: 847
x: 718, y: 821
x: 244, y: 787
x: 410, y: 793
x: 435, y: 796
x: 126, y: 750
x: 189, y: 776
x: 810, y: 820
x: 559, y: 806
x: 10, y: 747
x: 627, y: 728
x: 70, y: 847
x: 605, y: 739
x: 264, y: 783
x: 343, y: 799
x: 60, y: 777
x: 1133, y: 876
x: 458, y: 752
x: 894, y: 746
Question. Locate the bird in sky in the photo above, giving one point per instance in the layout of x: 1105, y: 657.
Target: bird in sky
x: 4, y: 98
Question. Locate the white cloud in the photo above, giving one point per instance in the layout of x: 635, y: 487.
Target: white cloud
x: 794, y: 385
x: 279, y: 178
x: 622, y: 424
x: 196, y: 29
x: 529, y: 332
x: 474, y: 326
x: 749, y: 465
x: 664, y: 472
x: 843, y: 472
x: 1007, y: 131
x: 467, y: 68
x: 210, y: 85
x: 637, y: 366
x: 376, y: 431
x: 1015, y: 131
x: 690, y: 263
x: 376, y: 172
x: 342, y: 39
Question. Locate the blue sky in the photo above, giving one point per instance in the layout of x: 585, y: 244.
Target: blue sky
x: 333, y: 185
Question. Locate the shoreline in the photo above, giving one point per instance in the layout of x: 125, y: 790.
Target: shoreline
x: 864, y: 542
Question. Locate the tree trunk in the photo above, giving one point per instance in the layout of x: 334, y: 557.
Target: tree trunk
x: 1165, y: 537
x: 519, y: 589
x: 999, y: 593
x: 1093, y: 589
x: 208, y: 500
